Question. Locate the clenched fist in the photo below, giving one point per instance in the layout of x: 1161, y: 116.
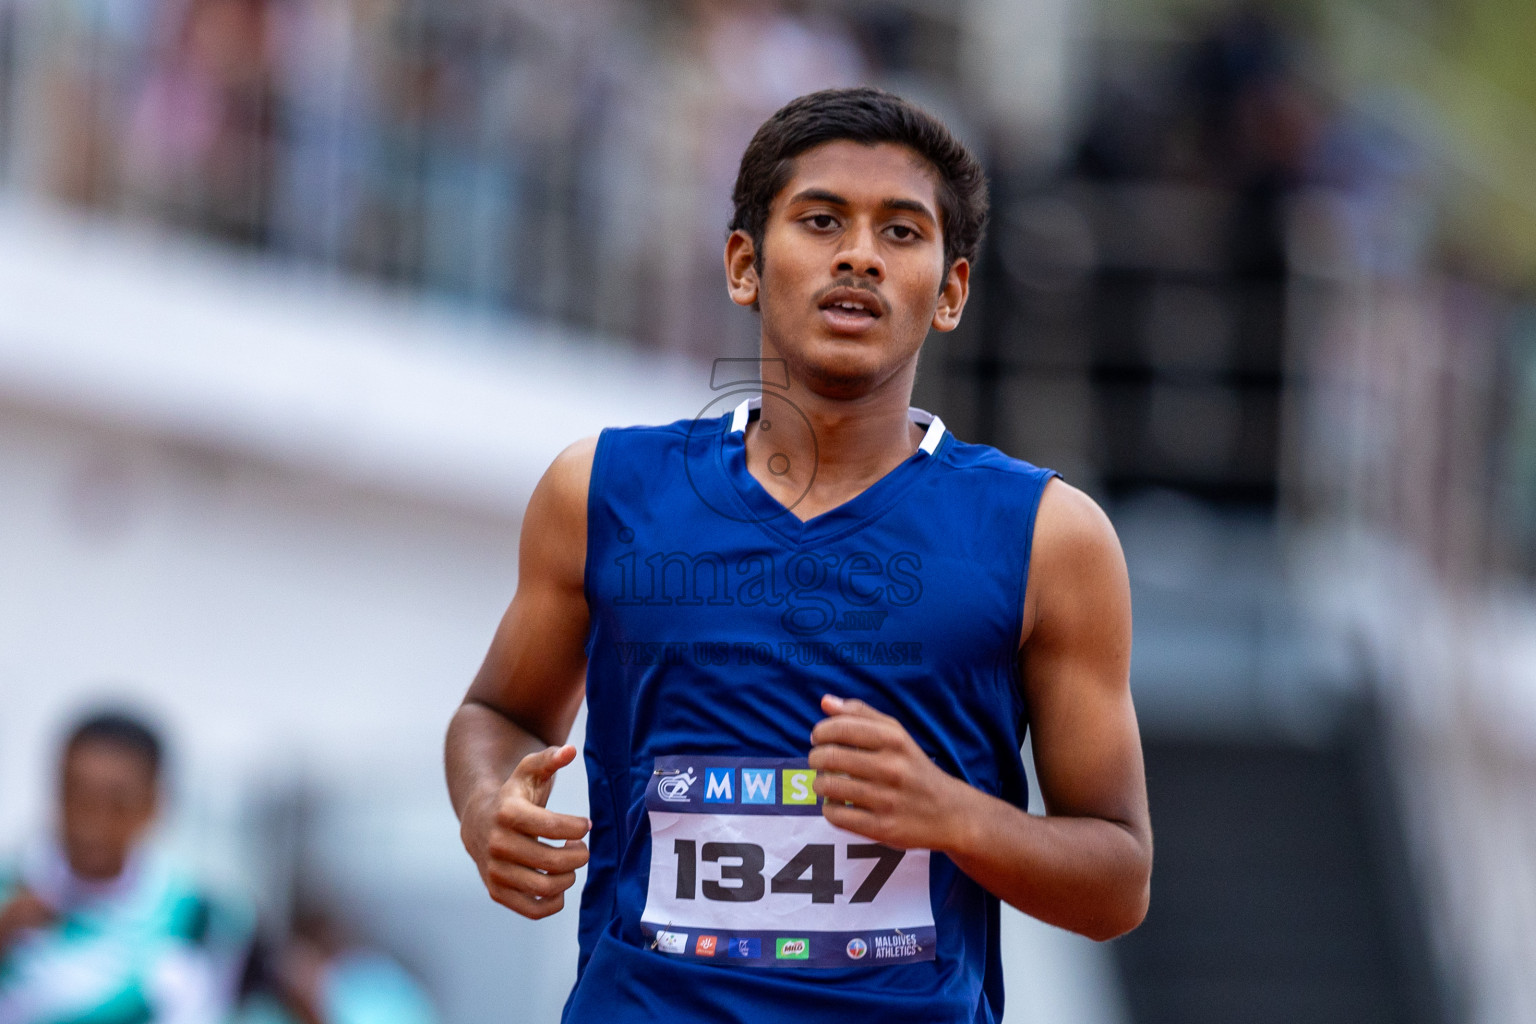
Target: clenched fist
x: 878, y: 782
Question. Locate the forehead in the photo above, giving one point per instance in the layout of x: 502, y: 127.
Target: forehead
x: 96, y: 760
x: 857, y: 170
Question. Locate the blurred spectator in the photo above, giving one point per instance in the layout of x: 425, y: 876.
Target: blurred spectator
x: 738, y: 62
x: 1256, y: 130
x: 95, y: 925
x: 90, y: 57
x: 324, y: 976
x: 568, y: 160
x: 200, y: 143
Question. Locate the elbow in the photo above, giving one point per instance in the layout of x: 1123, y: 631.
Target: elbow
x: 1132, y: 896
x: 1128, y: 906
x: 1125, y: 916
x: 1126, y: 899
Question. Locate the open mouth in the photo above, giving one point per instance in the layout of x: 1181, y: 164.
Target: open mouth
x: 851, y: 308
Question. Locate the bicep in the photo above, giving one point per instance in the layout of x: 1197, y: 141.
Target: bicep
x: 535, y: 669
x: 1075, y: 665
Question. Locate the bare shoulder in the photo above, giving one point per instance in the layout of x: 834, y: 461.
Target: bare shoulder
x: 554, y: 537
x: 1077, y: 567
x: 1071, y: 525
x: 533, y: 672
x: 561, y: 493
x: 566, y: 481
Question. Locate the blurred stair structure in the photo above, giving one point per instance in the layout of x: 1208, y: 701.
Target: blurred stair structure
x: 1280, y: 894
x: 1136, y: 330
x: 1281, y: 889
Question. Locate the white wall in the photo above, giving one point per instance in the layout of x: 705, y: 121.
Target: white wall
x: 283, y: 517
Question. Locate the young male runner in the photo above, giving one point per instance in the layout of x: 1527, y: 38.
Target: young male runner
x: 811, y: 634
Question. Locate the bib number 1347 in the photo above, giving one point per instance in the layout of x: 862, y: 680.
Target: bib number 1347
x: 812, y: 871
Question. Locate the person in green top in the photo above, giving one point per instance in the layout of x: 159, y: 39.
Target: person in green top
x: 95, y: 928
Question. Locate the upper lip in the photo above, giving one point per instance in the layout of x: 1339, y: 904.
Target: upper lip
x: 863, y: 298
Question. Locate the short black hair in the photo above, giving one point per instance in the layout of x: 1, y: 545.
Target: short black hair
x: 870, y: 116
x: 122, y: 730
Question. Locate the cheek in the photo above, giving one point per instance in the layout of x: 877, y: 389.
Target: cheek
x: 919, y: 305
x: 778, y: 300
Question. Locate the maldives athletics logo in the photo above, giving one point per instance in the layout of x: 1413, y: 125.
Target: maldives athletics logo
x: 856, y: 948
x: 740, y: 380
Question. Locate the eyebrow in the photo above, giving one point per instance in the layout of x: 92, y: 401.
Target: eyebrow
x: 821, y: 195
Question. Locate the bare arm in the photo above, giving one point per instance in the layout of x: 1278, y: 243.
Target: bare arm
x: 505, y: 742
x: 1086, y: 866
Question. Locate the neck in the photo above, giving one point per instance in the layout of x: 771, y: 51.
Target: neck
x: 825, y: 450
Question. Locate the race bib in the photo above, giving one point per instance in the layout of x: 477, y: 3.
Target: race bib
x: 747, y: 872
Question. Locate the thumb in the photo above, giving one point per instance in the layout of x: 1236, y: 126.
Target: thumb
x: 541, y: 765
x: 835, y: 705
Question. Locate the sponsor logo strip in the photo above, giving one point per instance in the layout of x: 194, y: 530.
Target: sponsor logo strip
x: 803, y: 949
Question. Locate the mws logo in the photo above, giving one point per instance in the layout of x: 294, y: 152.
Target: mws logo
x: 758, y: 786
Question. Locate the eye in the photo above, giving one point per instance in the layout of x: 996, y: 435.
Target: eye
x: 821, y: 221
x: 902, y: 233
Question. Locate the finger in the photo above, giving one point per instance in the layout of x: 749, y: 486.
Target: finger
x: 834, y: 705
x: 858, y: 732
x: 529, y: 906
x: 855, y: 819
x: 516, y: 848
x: 874, y: 766
x: 541, y: 765
x: 526, y: 880
x: 510, y: 847
x: 532, y: 820
x: 840, y: 789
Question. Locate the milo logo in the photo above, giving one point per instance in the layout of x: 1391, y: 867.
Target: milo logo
x: 792, y: 949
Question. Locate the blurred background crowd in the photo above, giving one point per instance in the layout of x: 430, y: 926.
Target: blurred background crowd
x: 297, y: 297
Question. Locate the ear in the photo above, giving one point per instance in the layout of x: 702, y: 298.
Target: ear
x: 957, y: 286
x: 741, y: 268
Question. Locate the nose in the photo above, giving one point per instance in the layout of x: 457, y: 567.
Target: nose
x: 859, y: 255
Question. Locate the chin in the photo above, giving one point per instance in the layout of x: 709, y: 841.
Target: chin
x: 841, y: 378
x: 96, y: 867
x: 839, y: 367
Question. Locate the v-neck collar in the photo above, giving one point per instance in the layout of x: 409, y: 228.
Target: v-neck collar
x: 772, y: 516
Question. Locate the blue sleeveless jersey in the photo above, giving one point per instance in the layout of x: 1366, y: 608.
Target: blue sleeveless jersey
x: 716, y: 890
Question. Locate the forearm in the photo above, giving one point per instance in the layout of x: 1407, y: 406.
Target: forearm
x: 1087, y: 875
x: 482, y: 749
